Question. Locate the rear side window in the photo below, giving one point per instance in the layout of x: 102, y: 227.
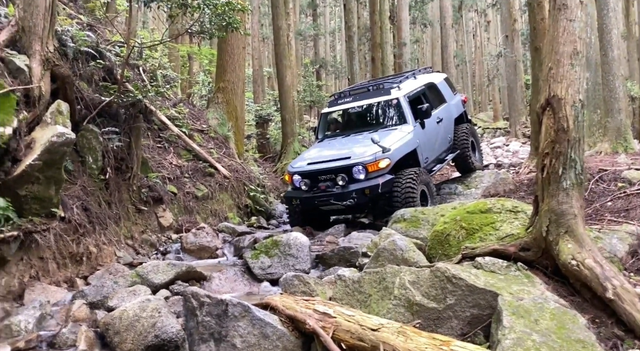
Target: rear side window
x: 436, y: 99
x: 451, y: 86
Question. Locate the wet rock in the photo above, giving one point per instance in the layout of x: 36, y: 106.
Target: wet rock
x: 231, y: 280
x: 233, y: 229
x: 67, y: 336
x: 163, y: 293
x: 178, y: 288
x: 274, y: 257
x: 398, y: 251
x: 144, y: 324
x: 175, y: 304
x: 224, y: 323
x: 386, y: 234
x: 89, y: 146
x: 258, y: 222
x: 359, y: 240
x: 299, y: 284
x: 87, y: 340
x: 34, y: 187
x: 158, y: 275
x: 104, y: 283
x: 523, y: 323
x: 26, y: 320
x: 342, y: 256
x: 483, y: 184
x: 201, y: 242
x: 79, y: 312
x: 238, y: 246
x: 44, y: 292
x: 338, y: 231
x: 18, y: 65
x: 125, y: 296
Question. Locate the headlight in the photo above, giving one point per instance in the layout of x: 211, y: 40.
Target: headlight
x: 304, y: 184
x: 296, y: 180
x: 359, y: 172
x: 341, y: 179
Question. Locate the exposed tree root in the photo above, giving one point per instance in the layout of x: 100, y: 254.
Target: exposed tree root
x: 357, y: 331
x: 8, y: 33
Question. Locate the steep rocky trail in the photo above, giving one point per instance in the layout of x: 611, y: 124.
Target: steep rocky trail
x: 196, y: 289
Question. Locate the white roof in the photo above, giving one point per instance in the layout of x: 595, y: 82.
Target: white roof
x: 404, y: 88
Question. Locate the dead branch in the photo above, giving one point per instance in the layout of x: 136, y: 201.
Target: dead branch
x: 8, y: 33
x: 16, y: 88
x: 193, y: 146
x: 356, y: 330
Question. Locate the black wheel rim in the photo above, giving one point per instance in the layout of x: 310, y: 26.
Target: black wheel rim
x: 425, y: 200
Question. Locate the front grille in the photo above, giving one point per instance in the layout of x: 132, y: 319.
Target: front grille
x: 315, y: 176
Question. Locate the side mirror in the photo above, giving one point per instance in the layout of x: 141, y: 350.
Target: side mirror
x: 427, y: 109
x: 375, y: 139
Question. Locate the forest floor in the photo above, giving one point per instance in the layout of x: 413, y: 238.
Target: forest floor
x: 607, y: 202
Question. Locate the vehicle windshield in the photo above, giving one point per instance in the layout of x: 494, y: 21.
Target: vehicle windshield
x: 363, y: 118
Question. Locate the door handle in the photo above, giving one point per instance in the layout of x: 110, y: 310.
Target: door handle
x: 438, y: 120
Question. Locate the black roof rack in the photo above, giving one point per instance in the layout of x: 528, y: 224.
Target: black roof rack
x: 375, y: 87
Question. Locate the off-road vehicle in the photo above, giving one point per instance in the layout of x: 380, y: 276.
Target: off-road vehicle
x: 378, y: 143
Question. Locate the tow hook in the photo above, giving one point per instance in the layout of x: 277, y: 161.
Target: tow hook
x: 350, y: 202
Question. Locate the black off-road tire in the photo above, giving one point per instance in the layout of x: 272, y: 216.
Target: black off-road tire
x: 412, y: 187
x: 316, y: 219
x: 467, y: 141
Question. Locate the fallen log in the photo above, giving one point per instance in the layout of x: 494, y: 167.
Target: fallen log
x: 355, y: 330
x: 193, y: 146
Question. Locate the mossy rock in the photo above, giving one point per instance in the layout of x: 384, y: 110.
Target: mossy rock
x: 89, y: 144
x: 447, y: 228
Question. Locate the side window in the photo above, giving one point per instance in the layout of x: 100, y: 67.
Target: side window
x: 435, y: 96
x: 416, y: 100
x: 451, y: 86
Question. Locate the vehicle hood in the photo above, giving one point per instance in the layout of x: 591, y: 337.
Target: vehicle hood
x: 343, y: 150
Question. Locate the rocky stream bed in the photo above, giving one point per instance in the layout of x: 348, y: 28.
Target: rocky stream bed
x: 195, y: 292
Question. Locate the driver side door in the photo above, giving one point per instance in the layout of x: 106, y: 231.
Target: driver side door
x: 425, y: 128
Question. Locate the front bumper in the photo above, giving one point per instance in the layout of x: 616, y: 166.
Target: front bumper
x: 352, y: 198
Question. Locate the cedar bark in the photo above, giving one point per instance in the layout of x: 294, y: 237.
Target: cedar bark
x: 558, y: 231
x: 285, y: 69
x: 386, y: 39
x: 494, y: 73
x: 515, y: 99
x: 376, y: 36
x: 350, y: 8
x: 230, y: 83
x: 436, y: 37
x: 447, y: 39
x: 257, y: 66
x: 538, y: 13
x: 356, y: 330
x: 403, y: 36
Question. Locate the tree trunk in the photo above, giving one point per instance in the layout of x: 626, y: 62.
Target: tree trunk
x: 436, y: 36
x: 257, y: 65
x: 363, y: 38
x: 494, y: 72
x: 632, y: 52
x: 230, y: 83
x: 376, y: 37
x: 317, y: 47
x: 174, y: 47
x: 285, y: 69
x: 481, y: 86
x: 351, y: 35
x: 386, y: 41
x: 356, y: 330
x: 328, y: 57
x: 538, y: 13
x: 36, y: 27
x: 559, y: 235
x: 403, y: 36
x: 613, y: 53
x: 515, y: 100
x: 447, y: 39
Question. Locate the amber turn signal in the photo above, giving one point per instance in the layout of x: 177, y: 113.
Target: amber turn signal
x: 287, y: 178
x: 378, y: 165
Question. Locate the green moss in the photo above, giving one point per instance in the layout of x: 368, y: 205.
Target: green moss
x: 268, y: 248
x: 485, y: 222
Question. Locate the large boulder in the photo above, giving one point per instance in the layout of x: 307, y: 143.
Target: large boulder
x: 157, y: 275
x: 224, y: 323
x: 89, y: 145
x: 34, y: 187
x: 477, y: 185
x: 456, y: 300
x: 104, y: 283
x: 279, y: 255
x: 447, y: 228
x: 518, y: 324
x: 399, y: 251
x: 201, y: 242
x: 145, y: 324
